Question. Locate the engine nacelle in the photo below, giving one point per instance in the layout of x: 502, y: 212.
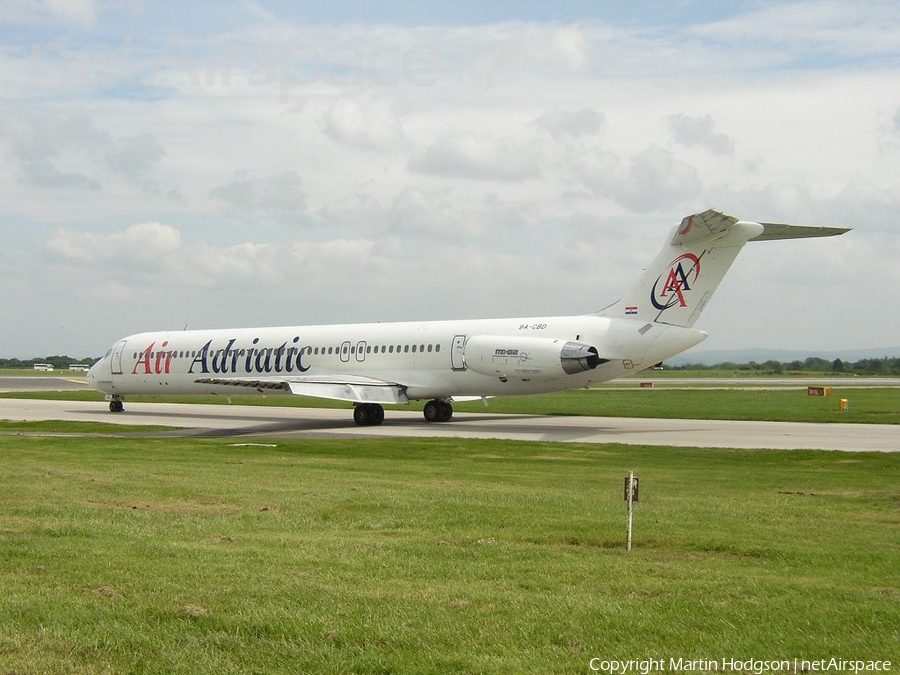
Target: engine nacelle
x: 528, y: 358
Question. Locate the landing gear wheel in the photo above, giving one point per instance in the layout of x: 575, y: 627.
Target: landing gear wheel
x: 432, y: 411
x: 368, y: 414
x: 437, y: 411
x: 116, y: 405
x: 378, y: 414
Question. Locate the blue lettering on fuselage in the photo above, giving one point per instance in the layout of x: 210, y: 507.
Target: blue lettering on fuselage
x: 259, y: 360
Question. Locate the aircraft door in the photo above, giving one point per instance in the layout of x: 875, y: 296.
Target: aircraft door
x: 458, y: 353
x: 115, y: 360
x: 361, y: 351
x: 345, y: 351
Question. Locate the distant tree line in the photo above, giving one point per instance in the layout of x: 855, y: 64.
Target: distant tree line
x: 884, y: 366
x: 58, y: 362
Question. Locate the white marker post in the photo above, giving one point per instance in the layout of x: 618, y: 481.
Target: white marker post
x: 631, y: 496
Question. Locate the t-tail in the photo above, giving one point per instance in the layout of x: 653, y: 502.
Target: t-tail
x: 679, y: 283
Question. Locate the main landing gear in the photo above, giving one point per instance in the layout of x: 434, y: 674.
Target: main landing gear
x: 368, y: 414
x: 372, y: 414
x: 437, y: 411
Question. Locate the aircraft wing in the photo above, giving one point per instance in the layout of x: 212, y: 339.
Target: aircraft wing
x: 353, y: 389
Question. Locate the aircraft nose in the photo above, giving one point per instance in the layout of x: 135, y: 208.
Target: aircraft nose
x: 92, y: 373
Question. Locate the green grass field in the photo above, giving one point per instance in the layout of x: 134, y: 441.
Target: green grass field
x: 433, y: 556
x: 869, y: 406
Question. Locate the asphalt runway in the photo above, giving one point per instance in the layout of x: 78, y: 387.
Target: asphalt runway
x: 266, y: 424
x: 42, y: 383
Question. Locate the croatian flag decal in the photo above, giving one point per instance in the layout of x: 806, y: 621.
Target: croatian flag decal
x: 631, y: 310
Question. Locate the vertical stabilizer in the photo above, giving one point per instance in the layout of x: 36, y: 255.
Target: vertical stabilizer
x: 678, y: 284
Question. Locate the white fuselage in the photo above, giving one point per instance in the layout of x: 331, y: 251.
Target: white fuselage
x: 429, y: 358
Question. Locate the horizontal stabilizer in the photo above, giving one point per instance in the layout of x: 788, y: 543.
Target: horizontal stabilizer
x: 776, y: 231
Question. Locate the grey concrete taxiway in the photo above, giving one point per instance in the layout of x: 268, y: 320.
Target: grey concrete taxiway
x: 262, y: 422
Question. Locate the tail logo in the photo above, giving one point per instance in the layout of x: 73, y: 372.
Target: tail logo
x: 670, y: 287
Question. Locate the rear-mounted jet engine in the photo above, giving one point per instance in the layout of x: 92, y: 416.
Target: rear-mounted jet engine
x: 528, y: 358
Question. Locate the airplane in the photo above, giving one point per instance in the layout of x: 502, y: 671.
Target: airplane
x: 376, y: 364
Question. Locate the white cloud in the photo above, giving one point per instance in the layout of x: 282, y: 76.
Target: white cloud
x: 690, y: 131
x: 280, y: 195
x: 144, y: 244
x: 69, y: 151
x: 465, y: 156
x: 517, y: 51
x: 51, y: 151
x: 653, y: 180
x: 79, y: 10
x: 813, y: 30
x: 158, y: 255
x: 26, y: 11
x: 135, y: 156
x: 571, y: 124
x: 366, y: 125
x: 437, y: 216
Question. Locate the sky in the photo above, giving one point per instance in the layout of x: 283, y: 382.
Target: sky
x: 271, y: 162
